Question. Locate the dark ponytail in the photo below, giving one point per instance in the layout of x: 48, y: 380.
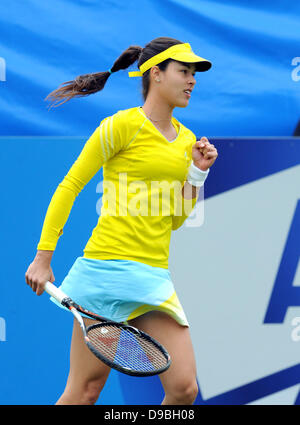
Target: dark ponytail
x: 86, y: 84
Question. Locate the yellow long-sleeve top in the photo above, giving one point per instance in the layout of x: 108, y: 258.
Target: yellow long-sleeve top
x: 143, y: 176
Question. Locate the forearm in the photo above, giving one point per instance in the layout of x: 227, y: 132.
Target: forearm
x: 189, y: 191
x: 44, y: 256
x: 57, y: 215
x: 185, y: 204
x: 195, y: 179
x: 189, y: 196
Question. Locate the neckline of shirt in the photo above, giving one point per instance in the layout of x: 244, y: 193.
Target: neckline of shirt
x: 140, y: 109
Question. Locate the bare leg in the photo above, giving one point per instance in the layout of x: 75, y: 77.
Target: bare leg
x: 180, y: 380
x: 87, y: 374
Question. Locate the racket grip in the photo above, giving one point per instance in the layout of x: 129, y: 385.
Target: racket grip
x: 55, y: 292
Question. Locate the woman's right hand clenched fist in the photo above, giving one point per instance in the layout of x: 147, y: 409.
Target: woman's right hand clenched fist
x: 39, y: 272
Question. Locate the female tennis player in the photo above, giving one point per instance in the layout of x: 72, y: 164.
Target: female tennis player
x: 123, y: 274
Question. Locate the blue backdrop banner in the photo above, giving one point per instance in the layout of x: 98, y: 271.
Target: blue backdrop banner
x: 251, y: 90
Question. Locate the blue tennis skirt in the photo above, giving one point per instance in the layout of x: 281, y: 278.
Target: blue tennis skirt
x: 121, y: 290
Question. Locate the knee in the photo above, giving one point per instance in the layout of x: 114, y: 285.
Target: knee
x: 185, y: 392
x: 91, y: 391
x: 82, y: 393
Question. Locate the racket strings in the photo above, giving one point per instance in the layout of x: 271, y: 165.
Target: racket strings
x: 127, y: 349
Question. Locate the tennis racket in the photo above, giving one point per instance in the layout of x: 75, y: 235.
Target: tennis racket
x: 120, y: 346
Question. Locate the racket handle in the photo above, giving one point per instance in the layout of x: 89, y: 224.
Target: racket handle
x: 55, y: 292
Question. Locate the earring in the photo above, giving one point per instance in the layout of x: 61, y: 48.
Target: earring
x: 157, y: 80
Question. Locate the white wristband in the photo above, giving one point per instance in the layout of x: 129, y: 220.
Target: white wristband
x: 196, y: 177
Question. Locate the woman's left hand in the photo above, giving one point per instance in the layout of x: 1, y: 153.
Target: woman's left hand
x: 204, y: 154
